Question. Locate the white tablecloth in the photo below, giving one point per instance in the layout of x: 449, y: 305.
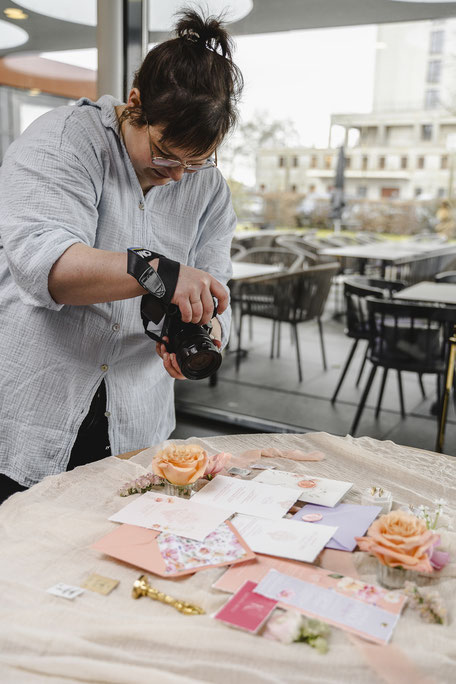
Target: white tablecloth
x: 45, y: 534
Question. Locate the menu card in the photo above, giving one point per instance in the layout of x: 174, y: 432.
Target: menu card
x: 363, y: 609
x: 318, y: 490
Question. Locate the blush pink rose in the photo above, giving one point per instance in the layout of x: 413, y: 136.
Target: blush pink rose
x: 399, y: 539
x: 216, y: 463
x: 180, y: 464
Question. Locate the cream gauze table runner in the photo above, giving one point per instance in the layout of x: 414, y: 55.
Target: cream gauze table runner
x: 45, y: 535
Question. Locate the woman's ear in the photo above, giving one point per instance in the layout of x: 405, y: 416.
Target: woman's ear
x: 134, y: 98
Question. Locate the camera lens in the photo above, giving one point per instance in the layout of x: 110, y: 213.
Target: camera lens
x: 198, y: 358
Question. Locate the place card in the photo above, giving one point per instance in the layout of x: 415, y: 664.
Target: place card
x: 247, y: 496
x: 284, y: 538
x: 318, y: 490
x: 184, y: 517
x: 66, y: 591
x: 362, y: 609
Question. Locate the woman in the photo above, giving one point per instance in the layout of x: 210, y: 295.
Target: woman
x: 79, y: 378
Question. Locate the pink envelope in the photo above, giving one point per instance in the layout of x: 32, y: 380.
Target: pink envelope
x: 351, y: 520
x: 138, y: 546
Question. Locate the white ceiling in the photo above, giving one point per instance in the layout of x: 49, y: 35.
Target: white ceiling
x: 47, y: 34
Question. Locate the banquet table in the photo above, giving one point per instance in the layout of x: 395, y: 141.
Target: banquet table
x: 46, y: 534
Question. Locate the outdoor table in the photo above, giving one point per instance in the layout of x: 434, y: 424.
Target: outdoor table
x: 46, y: 533
x: 244, y: 270
x: 436, y: 293
x: 388, y: 252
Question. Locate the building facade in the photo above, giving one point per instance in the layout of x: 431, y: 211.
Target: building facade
x: 406, y: 147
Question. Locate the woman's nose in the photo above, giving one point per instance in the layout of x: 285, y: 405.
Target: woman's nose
x: 176, y: 173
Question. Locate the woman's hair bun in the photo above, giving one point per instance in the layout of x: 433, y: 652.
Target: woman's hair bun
x: 207, y: 32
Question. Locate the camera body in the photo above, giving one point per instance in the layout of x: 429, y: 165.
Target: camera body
x: 197, y: 355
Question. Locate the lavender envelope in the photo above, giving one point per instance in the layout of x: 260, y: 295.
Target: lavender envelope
x: 352, y: 520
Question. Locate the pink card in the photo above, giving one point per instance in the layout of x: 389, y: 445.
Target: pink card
x: 246, y: 610
x: 254, y: 571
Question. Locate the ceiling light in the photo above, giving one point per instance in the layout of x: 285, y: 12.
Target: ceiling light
x: 80, y: 12
x: 34, y: 91
x: 161, y: 14
x: 11, y: 35
x: 15, y: 13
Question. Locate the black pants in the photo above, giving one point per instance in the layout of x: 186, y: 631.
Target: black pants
x: 91, y: 444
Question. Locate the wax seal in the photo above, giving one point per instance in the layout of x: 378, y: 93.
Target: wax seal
x: 307, y: 484
x: 312, y: 517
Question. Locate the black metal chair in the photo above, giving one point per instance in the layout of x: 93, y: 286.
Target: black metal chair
x: 356, y: 290
x: 405, y: 337
x: 287, y: 298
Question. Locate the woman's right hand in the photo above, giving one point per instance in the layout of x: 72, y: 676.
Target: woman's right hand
x: 194, y: 292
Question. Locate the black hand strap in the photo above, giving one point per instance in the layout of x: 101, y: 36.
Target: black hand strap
x: 161, y: 283
x: 152, y: 310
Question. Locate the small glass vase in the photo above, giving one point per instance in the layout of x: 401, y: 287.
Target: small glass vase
x: 395, y: 578
x: 184, y: 491
x: 392, y: 578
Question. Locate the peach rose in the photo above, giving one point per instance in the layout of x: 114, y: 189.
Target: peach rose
x: 180, y: 464
x: 399, y: 539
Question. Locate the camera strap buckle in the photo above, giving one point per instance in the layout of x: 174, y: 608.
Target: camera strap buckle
x: 161, y: 283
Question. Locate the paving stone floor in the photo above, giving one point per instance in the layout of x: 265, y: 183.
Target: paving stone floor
x: 266, y: 396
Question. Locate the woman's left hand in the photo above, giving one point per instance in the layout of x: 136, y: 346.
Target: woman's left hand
x: 169, y: 361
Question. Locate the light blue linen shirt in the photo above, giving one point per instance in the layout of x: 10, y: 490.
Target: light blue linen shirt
x: 69, y: 179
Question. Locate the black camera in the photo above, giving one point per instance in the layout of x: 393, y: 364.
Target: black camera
x: 197, y: 355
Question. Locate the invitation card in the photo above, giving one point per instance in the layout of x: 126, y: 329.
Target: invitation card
x: 318, y: 490
x: 285, y: 538
x: 184, y: 517
x: 247, y: 496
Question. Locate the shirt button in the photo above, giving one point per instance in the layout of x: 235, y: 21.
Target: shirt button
x: 116, y: 327
x: 141, y: 206
x: 104, y: 367
x: 107, y: 414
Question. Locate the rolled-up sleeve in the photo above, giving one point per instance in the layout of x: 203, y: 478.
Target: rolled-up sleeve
x: 48, y: 202
x: 213, y: 250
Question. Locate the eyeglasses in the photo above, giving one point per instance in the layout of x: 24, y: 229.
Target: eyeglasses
x: 173, y: 163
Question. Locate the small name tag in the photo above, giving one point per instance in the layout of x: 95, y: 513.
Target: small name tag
x: 65, y: 591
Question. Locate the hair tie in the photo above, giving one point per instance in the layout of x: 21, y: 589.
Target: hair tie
x: 192, y: 36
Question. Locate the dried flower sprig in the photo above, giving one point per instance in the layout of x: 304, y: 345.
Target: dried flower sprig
x: 288, y: 626
x: 429, y: 603
x: 431, y: 518
x: 142, y: 484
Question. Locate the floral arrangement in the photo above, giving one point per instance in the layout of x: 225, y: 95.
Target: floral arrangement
x: 430, y: 603
x: 288, y: 626
x: 179, y: 465
x: 142, y: 484
x: 401, y: 540
x: 431, y: 518
x: 183, y: 464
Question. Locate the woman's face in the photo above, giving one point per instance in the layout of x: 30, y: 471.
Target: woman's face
x: 144, y: 144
